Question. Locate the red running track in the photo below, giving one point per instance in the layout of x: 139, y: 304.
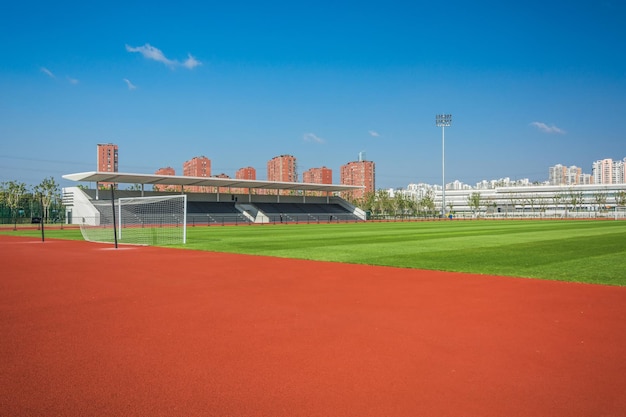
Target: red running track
x: 87, y: 330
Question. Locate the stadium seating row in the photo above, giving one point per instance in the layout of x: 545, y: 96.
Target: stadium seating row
x: 227, y: 212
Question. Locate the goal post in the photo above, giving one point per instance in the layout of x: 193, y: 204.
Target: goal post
x: 158, y: 220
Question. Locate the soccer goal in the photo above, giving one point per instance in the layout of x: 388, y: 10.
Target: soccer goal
x: 160, y: 220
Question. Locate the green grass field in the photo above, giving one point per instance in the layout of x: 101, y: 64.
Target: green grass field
x: 580, y: 251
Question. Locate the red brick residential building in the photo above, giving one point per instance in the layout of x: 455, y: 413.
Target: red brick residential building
x: 282, y: 168
x: 107, y: 160
x: 165, y: 171
x: 321, y: 175
x: 199, y: 166
x: 359, y: 173
x: 247, y: 173
x: 221, y: 189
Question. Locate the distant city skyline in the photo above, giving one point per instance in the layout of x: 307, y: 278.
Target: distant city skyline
x: 317, y: 170
x: 604, y: 172
x: 242, y: 82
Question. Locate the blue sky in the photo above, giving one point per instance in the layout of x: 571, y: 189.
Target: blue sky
x: 530, y: 84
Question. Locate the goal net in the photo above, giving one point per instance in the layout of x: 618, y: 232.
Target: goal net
x: 160, y: 220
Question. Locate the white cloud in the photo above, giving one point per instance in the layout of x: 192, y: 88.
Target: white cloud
x: 191, y: 62
x: 47, y: 72
x: 312, y: 137
x: 150, y: 52
x: 130, y: 85
x: 373, y: 133
x: 50, y: 74
x: 547, y: 129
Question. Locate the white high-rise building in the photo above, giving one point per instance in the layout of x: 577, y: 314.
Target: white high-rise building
x: 562, y: 175
x: 607, y: 171
x: 619, y: 169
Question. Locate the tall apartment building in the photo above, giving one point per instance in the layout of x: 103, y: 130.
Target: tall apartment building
x: 247, y: 173
x: 165, y: 171
x: 572, y: 175
x: 359, y: 173
x: 221, y: 189
x: 602, y: 171
x: 562, y: 175
x: 282, y: 168
x: 321, y: 175
x: 620, y: 175
x: 586, y: 179
x: 556, y: 175
x: 199, y: 166
x: 607, y: 171
x: 161, y: 187
x: 107, y: 160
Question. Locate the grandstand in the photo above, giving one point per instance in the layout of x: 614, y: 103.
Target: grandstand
x: 256, y: 206
x: 208, y: 212
x: 305, y: 213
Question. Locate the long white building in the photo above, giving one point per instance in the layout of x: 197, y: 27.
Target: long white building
x: 586, y: 200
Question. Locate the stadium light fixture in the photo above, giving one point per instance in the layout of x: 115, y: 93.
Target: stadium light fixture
x: 443, y: 121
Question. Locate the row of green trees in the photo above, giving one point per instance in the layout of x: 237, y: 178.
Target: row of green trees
x: 381, y: 205
x: 19, y: 201
x: 571, y: 200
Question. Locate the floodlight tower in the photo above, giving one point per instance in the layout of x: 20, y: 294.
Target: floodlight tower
x: 443, y: 121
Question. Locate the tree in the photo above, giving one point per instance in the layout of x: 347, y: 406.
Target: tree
x: 556, y: 199
x: 600, y: 199
x: 428, y: 202
x: 400, y: 204
x: 383, y: 202
x: 367, y: 201
x: 532, y: 200
x: 412, y: 206
x: 13, y: 193
x: 489, y: 204
x: 575, y: 199
x: 620, y: 198
x: 3, y: 195
x: 514, y: 200
x: 523, y: 202
x: 47, y: 192
x: 474, y: 202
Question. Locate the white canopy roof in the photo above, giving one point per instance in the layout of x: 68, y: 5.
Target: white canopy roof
x: 127, y: 178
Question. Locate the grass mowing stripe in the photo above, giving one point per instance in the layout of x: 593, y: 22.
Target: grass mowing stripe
x: 599, y: 262
x: 585, y: 251
x: 539, y: 249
